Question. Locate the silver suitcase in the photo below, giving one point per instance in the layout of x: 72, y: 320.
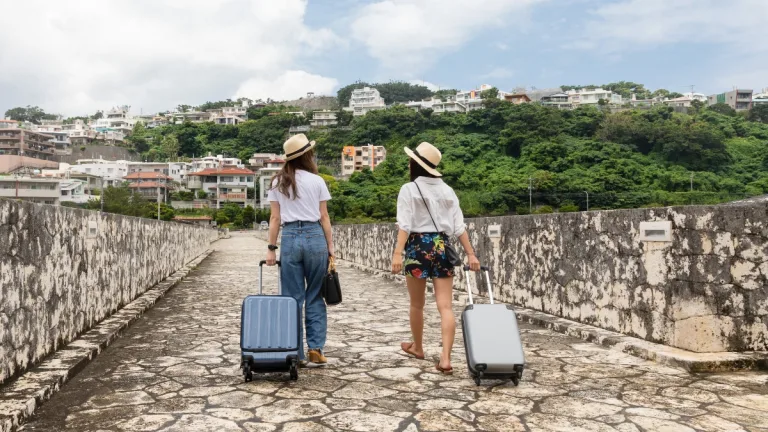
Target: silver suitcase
x: 491, y: 337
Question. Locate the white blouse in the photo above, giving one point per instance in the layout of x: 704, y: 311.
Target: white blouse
x: 412, y: 216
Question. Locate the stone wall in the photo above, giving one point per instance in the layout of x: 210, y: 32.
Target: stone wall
x: 105, y: 152
x: 62, y: 270
x: 706, y: 290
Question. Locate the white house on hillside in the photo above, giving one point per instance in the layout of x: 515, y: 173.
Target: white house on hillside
x: 365, y: 100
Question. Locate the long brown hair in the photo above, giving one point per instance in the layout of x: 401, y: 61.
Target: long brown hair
x: 286, y: 178
x: 417, y: 171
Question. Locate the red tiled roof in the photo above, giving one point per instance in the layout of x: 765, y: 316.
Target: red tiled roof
x: 223, y: 171
x: 148, y: 185
x: 146, y: 175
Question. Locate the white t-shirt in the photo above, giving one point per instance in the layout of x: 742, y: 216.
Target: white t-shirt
x: 412, y: 215
x: 311, y: 189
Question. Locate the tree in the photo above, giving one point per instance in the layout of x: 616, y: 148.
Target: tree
x: 490, y: 94
x: 138, y: 138
x: 696, y: 107
x: 32, y: 114
x: 98, y: 115
x: 183, y: 108
x: 249, y: 216
x: 722, y: 108
x: 344, y: 117
x: 758, y: 113
x: 602, y: 103
x: 444, y: 94
x: 170, y: 147
x: 675, y: 95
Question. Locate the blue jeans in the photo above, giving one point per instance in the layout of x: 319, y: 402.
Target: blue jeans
x: 304, y: 264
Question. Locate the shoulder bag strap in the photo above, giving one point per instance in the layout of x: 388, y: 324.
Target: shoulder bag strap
x: 427, y: 206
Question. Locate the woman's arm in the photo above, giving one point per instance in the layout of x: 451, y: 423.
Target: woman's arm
x: 474, y: 263
x: 460, y: 230
x: 404, y: 216
x: 325, y: 222
x: 397, y: 255
x: 274, y: 230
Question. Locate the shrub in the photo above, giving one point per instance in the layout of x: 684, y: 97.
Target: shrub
x: 568, y: 208
x: 522, y: 210
x: 544, y: 210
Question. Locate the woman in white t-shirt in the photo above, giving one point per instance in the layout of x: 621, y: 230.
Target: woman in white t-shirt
x: 298, y: 200
x: 428, y: 215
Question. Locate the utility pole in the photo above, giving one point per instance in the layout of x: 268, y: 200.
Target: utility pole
x: 587, y: 199
x: 530, y: 194
x: 101, y: 185
x: 158, y: 203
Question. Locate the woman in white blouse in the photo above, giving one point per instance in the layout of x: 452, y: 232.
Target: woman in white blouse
x: 428, y: 215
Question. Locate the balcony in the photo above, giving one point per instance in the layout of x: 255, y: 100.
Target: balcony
x: 232, y: 197
x: 194, y: 182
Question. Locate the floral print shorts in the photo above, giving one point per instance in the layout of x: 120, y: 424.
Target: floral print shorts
x: 425, y: 257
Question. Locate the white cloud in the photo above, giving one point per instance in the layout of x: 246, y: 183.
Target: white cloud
x: 152, y: 54
x: 498, y: 73
x: 501, y: 46
x: 407, y: 36
x: 730, y: 32
x: 287, y: 86
x: 629, y: 24
x: 427, y: 84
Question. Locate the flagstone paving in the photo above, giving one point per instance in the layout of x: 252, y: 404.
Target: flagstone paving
x: 177, y: 369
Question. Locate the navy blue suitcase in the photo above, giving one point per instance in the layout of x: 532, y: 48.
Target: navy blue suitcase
x: 269, y: 332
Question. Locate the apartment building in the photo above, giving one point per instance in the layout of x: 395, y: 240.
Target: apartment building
x: 593, y: 97
x: 260, y: 160
x: 365, y: 100
x: 55, y: 129
x: 449, y: 105
x: 355, y: 159
x: 760, y: 98
x: 323, y: 118
x: 150, y: 185
x: 557, y: 100
x: 265, y: 174
x: 738, y: 99
x: 213, y: 162
x: 73, y: 190
x: 518, y: 98
x: 36, y: 190
x: 223, y: 185
x: 229, y: 115
x: 23, y: 142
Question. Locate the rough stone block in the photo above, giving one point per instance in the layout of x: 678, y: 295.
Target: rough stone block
x: 704, y: 333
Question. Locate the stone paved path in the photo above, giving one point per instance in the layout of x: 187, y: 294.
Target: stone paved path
x: 177, y: 370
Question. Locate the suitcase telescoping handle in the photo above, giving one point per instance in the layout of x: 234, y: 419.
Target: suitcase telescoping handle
x: 261, y: 277
x: 467, y: 278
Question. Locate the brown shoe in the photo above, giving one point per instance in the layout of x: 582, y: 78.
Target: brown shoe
x: 316, y: 357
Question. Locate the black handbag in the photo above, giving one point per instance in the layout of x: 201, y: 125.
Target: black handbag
x: 451, y: 254
x: 331, y: 289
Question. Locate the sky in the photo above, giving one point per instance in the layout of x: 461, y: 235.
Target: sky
x: 78, y: 56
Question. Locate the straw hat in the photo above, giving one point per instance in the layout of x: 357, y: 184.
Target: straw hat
x: 296, y: 146
x: 426, y: 155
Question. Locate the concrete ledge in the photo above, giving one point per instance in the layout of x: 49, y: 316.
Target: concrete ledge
x: 688, y: 360
x: 21, y: 397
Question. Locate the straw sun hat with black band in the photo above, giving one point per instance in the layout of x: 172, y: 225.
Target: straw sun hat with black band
x: 426, y: 155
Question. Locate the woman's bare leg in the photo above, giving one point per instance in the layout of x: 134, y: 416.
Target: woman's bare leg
x: 416, y: 291
x: 444, y: 298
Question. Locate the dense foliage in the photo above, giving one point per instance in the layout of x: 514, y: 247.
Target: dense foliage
x: 491, y: 156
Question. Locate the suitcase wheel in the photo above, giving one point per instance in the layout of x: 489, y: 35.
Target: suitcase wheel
x: 515, y: 380
x: 247, y: 373
x: 294, y: 371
